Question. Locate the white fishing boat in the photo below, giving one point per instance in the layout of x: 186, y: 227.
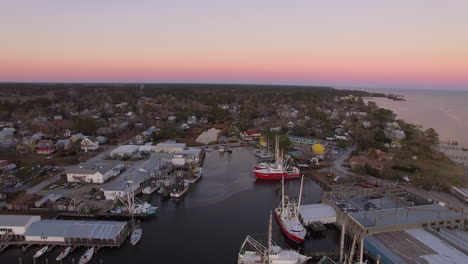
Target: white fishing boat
x: 152, y: 188
x: 63, y: 254
x: 136, y: 235
x: 87, y: 256
x: 180, y: 189
x: 253, y: 252
x: 287, y: 215
x: 41, y: 252
x: 197, y: 173
x: 221, y: 148
x: 132, y: 205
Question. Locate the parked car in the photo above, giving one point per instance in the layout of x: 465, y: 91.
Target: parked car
x: 65, y: 185
x: 18, y: 184
x: 53, y: 186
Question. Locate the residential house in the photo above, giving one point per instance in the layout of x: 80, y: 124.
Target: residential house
x: 101, y: 139
x: 382, y: 155
x: 184, y: 126
x: 290, y: 124
x: 366, y: 124
x: 89, y: 144
x: 63, y: 145
x: 359, y: 161
x: 67, y: 133
x: 171, y: 118
x: 77, y: 137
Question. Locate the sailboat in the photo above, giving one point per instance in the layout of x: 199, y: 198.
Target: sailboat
x: 287, y: 215
x: 41, y: 252
x: 86, y: 256
x: 253, y: 252
x: 63, y: 254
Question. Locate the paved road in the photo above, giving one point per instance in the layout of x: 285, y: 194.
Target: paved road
x: 337, y: 164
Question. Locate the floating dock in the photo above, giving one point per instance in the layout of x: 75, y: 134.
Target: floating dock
x: 314, y: 215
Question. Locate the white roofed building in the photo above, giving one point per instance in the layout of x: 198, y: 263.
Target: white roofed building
x: 16, y: 225
x: 170, y: 147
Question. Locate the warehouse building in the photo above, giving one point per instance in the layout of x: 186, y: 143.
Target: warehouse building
x: 170, y: 147
x: 124, y: 151
x: 94, y: 172
x: 77, y: 232
x: 16, y: 225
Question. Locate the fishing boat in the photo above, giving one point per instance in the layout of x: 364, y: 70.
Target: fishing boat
x: 132, y: 205
x: 63, y: 254
x: 180, y: 189
x: 281, y: 168
x: 221, y: 148
x: 287, y: 215
x: 41, y: 252
x: 228, y: 149
x: 86, y: 256
x: 197, y: 173
x: 136, y: 235
x: 253, y: 252
x: 152, y: 188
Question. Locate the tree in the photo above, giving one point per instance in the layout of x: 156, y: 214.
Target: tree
x: 284, y: 143
x: 299, y: 130
x: 86, y: 126
x: 432, y: 136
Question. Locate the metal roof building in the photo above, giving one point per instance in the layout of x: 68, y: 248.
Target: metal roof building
x: 409, y: 215
x: 16, y: 224
x: 72, y: 231
x: 418, y: 246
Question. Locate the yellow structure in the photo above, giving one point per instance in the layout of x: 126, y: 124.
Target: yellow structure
x: 263, y: 141
x: 318, y: 149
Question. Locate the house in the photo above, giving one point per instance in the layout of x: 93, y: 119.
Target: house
x: 366, y: 124
x: 359, y: 161
x: 382, y: 155
x: 171, y: 118
x: 101, y: 139
x: 58, y: 117
x: 77, y: 137
x: 67, y: 133
x: 290, y: 124
x: 89, y: 143
x: 91, y: 172
x: 250, y: 135
x: 63, y: 144
x: 184, y: 126
x: 191, y: 120
x: 44, y: 151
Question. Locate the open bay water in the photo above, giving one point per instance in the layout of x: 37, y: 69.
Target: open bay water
x: 445, y: 111
x: 208, y: 224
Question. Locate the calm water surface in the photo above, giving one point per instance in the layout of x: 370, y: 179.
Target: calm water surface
x: 445, y: 111
x: 209, y: 224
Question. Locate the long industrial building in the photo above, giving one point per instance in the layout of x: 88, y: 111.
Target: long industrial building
x: 77, y: 232
x: 16, y: 225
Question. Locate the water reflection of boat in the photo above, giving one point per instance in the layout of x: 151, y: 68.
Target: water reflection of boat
x: 253, y: 252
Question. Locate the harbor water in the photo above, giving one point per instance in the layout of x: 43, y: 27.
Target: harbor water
x: 208, y: 224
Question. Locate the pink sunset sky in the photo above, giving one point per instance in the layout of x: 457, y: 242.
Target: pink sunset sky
x: 359, y: 43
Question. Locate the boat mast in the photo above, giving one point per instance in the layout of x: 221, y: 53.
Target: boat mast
x: 282, y: 194
x: 300, y: 194
x: 269, y: 239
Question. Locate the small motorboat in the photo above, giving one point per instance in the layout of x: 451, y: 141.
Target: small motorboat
x: 136, y: 235
x: 63, y: 254
x: 41, y: 252
x: 87, y: 256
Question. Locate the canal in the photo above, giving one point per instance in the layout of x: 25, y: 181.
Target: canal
x: 209, y: 224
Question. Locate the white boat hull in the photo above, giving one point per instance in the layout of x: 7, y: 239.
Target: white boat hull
x: 63, y: 254
x: 40, y: 252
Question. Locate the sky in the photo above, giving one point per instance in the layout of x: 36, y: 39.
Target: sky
x: 359, y: 43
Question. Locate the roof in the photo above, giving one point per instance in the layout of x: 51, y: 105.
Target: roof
x: 76, y: 229
x: 416, y: 246
x: 93, y: 167
x: 125, y: 149
x: 16, y: 220
x: 408, y: 215
x: 318, y: 212
x: 252, y: 132
x: 171, y: 145
x: 92, y: 139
